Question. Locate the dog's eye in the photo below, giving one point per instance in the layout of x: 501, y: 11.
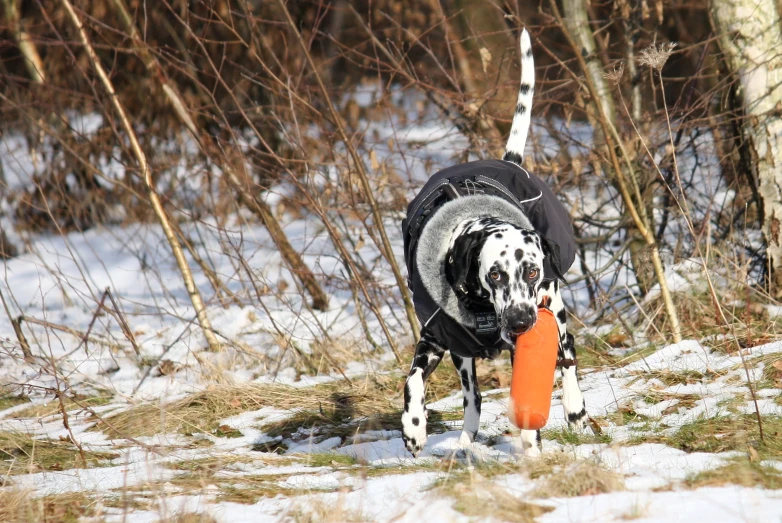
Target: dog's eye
x: 494, y: 275
x: 532, y: 274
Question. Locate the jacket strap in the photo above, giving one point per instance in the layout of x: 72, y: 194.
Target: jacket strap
x: 567, y: 362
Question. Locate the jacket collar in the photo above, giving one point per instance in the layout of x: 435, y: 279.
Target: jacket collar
x: 435, y: 240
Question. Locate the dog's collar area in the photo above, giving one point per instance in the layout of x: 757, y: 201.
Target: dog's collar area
x: 471, y: 302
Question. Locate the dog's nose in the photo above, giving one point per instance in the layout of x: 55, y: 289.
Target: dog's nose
x: 519, y: 320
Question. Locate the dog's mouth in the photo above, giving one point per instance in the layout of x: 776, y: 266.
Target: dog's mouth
x: 510, y: 336
x: 516, y: 322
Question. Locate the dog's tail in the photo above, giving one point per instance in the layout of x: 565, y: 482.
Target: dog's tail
x: 514, y: 150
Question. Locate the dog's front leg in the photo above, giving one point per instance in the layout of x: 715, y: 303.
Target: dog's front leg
x: 572, y: 398
x: 472, y: 397
x: 428, y: 354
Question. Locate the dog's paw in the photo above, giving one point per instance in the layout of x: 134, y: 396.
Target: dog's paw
x: 532, y: 452
x: 414, y: 431
x: 466, y: 439
x: 577, y: 421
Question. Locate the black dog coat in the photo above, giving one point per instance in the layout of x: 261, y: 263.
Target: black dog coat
x: 491, y: 188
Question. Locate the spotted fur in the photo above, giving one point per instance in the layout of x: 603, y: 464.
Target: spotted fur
x: 496, y: 260
x: 514, y: 150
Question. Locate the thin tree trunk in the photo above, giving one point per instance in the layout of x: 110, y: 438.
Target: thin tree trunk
x: 580, y: 36
x: 577, y: 22
x: 168, y: 230
x: 750, y: 37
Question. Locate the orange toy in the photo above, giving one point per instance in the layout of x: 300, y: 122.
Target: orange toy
x: 532, y: 381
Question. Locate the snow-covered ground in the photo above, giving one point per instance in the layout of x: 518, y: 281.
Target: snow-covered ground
x: 301, y: 442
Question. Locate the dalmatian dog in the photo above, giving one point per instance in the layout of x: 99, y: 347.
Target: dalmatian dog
x: 486, y: 243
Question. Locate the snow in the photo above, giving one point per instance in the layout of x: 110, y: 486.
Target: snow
x: 60, y: 280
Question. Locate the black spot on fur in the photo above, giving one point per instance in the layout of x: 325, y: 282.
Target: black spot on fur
x: 413, y: 442
x: 545, y: 285
x: 407, y: 396
x: 572, y: 417
x: 527, y: 239
x: 513, y: 157
x: 503, y: 253
x: 521, y: 109
x: 498, y: 236
x: 529, y: 52
x: 519, y: 253
x: 562, y: 316
x: 465, y: 379
x: 416, y: 421
x: 524, y: 88
x: 465, y: 403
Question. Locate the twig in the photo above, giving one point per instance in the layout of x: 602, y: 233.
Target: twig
x: 92, y: 322
x: 16, y: 323
x: 63, y: 328
x: 184, y: 268
x: 385, y: 244
x: 637, y: 212
x: 122, y: 322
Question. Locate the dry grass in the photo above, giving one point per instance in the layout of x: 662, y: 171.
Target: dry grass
x: 190, y: 517
x: 566, y: 436
x: 326, y: 410
x: 484, y: 500
x: 52, y: 407
x: 202, y: 412
x: 699, y: 317
x: 578, y: 478
x: 771, y: 377
x: 476, y: 495
x: 670, y: 378
x: 729, y: 433
x: 721, y: 434
x: 742, y: 472
x: 593, y: 351
x: 637, y: 511
x: 9, y: 399
x: 316, y: 425
x: 319, y: 511
x: 19, y: 506
x: 23, y: 454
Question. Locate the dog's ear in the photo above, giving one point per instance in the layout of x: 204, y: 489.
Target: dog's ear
x: 461, y: 258
x: 551, y: 253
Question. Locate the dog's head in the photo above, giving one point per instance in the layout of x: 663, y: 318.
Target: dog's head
x: 497, y: 262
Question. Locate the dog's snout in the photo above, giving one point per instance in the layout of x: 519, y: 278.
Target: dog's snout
x: 519, y: 320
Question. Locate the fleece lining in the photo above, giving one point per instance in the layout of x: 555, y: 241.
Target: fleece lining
x: 435, y: 241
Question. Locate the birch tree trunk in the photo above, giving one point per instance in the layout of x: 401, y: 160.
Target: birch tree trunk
x: 751, y: 36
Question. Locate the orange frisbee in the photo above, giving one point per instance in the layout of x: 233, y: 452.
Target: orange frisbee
x: 532, y: 381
